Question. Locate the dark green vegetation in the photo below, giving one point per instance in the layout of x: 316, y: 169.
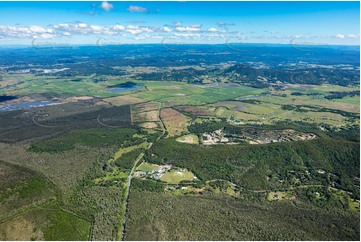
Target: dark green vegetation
x: 66, y: 226
x: 323, y: 161
x: 101, y: 206
x: 125, y: 84
x: 340, y: 95
x: 48, y: 121
x: 92, y: 138
x: 21, y: 187
x: 126, y: 161
x: 72, y: 205
x: 140, y: 185
x: 66, y: 166
x: 45, y: 223
x: 158, y: 216
x: 248, y: 75
x: 305, y: 108
x: 28, y: 210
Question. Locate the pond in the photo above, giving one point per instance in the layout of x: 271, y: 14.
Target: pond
x: 125, y: 89
x: 16, y: 106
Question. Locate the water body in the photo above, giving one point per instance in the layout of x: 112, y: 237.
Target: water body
x: 6, y: 98
x: 17, y: 106
x: 125, y: 89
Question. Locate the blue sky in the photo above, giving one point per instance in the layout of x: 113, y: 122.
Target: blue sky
x: 324, y: 23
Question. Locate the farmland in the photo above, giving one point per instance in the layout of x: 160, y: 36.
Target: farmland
x: 86, y: 146
x: 179, y: 147
x: 175, y: 122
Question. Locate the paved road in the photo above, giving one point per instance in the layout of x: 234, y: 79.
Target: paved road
x: 130, y: 177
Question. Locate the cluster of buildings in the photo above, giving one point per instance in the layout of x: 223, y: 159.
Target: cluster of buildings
x: 155, y: 174
x: 214, y: 138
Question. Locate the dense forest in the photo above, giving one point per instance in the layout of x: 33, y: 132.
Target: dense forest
x: 159, y: 216
x: 260, y: 167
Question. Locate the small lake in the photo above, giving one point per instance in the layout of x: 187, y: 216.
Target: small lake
x: 16, y: 106
x: 124, y: 89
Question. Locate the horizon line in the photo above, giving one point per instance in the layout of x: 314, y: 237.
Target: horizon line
x: 173, y: 44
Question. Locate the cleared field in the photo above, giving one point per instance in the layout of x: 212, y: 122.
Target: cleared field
x: 278, y: 196
x: 144, y: 107
x: 190, y: 139
x: 175, y: 122
x: 123, y: 100
x: 150, y: 125
x: 196, y: 110
x: 310, y: 100
x: 177, y: 175
x: 334, y: 88
x: 187, y: 94
x: 117, y: 168
x: 354, y: 206
x: 349, y: 100
x: 77, y: 85
x: 150, y: 116
x: 146, y: 167
x: 269, y: 109
x: 124, y: 150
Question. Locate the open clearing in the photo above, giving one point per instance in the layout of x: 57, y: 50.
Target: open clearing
x: 147, y: 167
x: 189, y: 139
x: 175, y: 122
x: 150, y: 125
x: 144, y: 107
x: 149, y: 116
x: 177, y: 175
x: 278, y: 196
x: 124, y: 150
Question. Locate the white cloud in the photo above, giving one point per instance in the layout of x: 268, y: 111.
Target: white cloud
x: 136, y: 9
x: 37, y: 29
x: 216, y: 35
x: 156, y: 37
x: 353, y: 36
x: 82, y: 25
x: 47, y: 36
x: 119, y: 27
x: 340, y: 36
x: 166, y: 29
x: 106, y: 6
x: 187, y: 35
x: 135, y: 29
x: 177, y: 24
x: 212, y: 30
x: 188, y: 29
x: 23, y: 32
x: 96, y: 27
x: 139, y: 37
x: 198, y: 26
